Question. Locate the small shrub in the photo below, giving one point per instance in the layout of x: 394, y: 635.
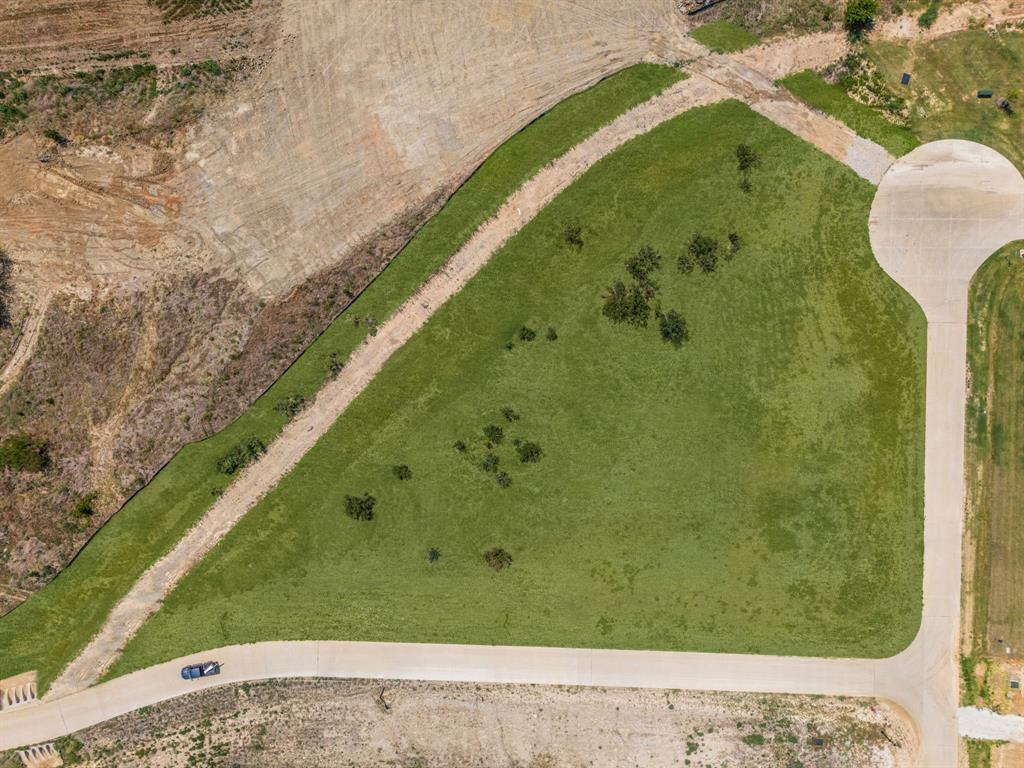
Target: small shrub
x: 460, y: 446
x: 402, y: 471
x: 573, y: 235
x: 503, y: 479
x: 552, y: 334
x: 85, y: 506
x: 360, y: 507
x: 627, y: 305
x: 753, y: 740
x: 643, y: 262
x: 509, y: 414
x: 243, y: 454
x: 704, y: 252
x: 527, y: 334
x: 494, y: 433
x: 56, y: 137
x: 746, y: 158
x: 529, y: 452
x: 735, y: 243
x: 686, y: 263
x: 334, y: 365
x: 369, y: 322
x: 291, y: 405
x: 673, y: 328
x: 498, y: 558
x: 490, y: 463
x: 859, y: 15
x: 23, y: 453
x: 433, y: 555
x: 509, y: 346
x: 745, y: 186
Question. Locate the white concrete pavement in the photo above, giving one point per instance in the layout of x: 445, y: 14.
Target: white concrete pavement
x: 462, y: 663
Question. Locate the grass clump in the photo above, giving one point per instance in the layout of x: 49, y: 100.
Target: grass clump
x: 724, y: 37
x: 241, y: 455
x: 23, y: 453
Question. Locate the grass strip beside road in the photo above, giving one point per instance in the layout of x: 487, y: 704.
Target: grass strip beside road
x: 811, y: 89
x: 52, y: 626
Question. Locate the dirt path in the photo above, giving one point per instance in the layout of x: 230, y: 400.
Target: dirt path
x: 27, y: 342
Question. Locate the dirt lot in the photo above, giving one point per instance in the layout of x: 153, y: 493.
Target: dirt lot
x: 343, y: 723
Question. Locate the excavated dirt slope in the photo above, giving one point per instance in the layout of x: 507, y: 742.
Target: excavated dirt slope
x: 194, y: 232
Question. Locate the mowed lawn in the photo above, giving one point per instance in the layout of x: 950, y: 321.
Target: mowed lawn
x: 757, y: 490
x: 49, y: 629
x: 995, y: 453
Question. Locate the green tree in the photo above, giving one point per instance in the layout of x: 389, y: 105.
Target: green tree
x: 552, y: 334
x: 360, y: 507
x: 241, y: 455
x: 529, y: 452
x: 859, y: 15
x: 494, y: 434
x: 509, y: 413
x: 673, y: 328
x: 627, y: 305
x: 402, y: 472
x: 527, y: 334
x: 704, y: 252
x: 643, y: 262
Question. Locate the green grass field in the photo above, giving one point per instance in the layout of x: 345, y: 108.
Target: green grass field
x: 995, y: 475
x: 724, y: 37
x: 810, y: 88
x: 47, y: 631
x: 757, y: 490
x: 947, y: 74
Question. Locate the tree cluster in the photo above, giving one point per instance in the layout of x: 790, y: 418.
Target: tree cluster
x: 360, y: 507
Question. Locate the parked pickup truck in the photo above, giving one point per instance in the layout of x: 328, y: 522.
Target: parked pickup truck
x: 195, y: 671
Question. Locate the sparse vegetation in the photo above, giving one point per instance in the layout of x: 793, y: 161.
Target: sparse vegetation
x: 5, y: 287
x: 360, y: 507
x: 174, y: 10
x: 23, y: 453
x: 241, y: 455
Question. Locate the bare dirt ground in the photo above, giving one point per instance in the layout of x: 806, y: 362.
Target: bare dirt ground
x: 343, y: 723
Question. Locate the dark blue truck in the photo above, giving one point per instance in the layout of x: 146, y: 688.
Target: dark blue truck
x: 195, y: 671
